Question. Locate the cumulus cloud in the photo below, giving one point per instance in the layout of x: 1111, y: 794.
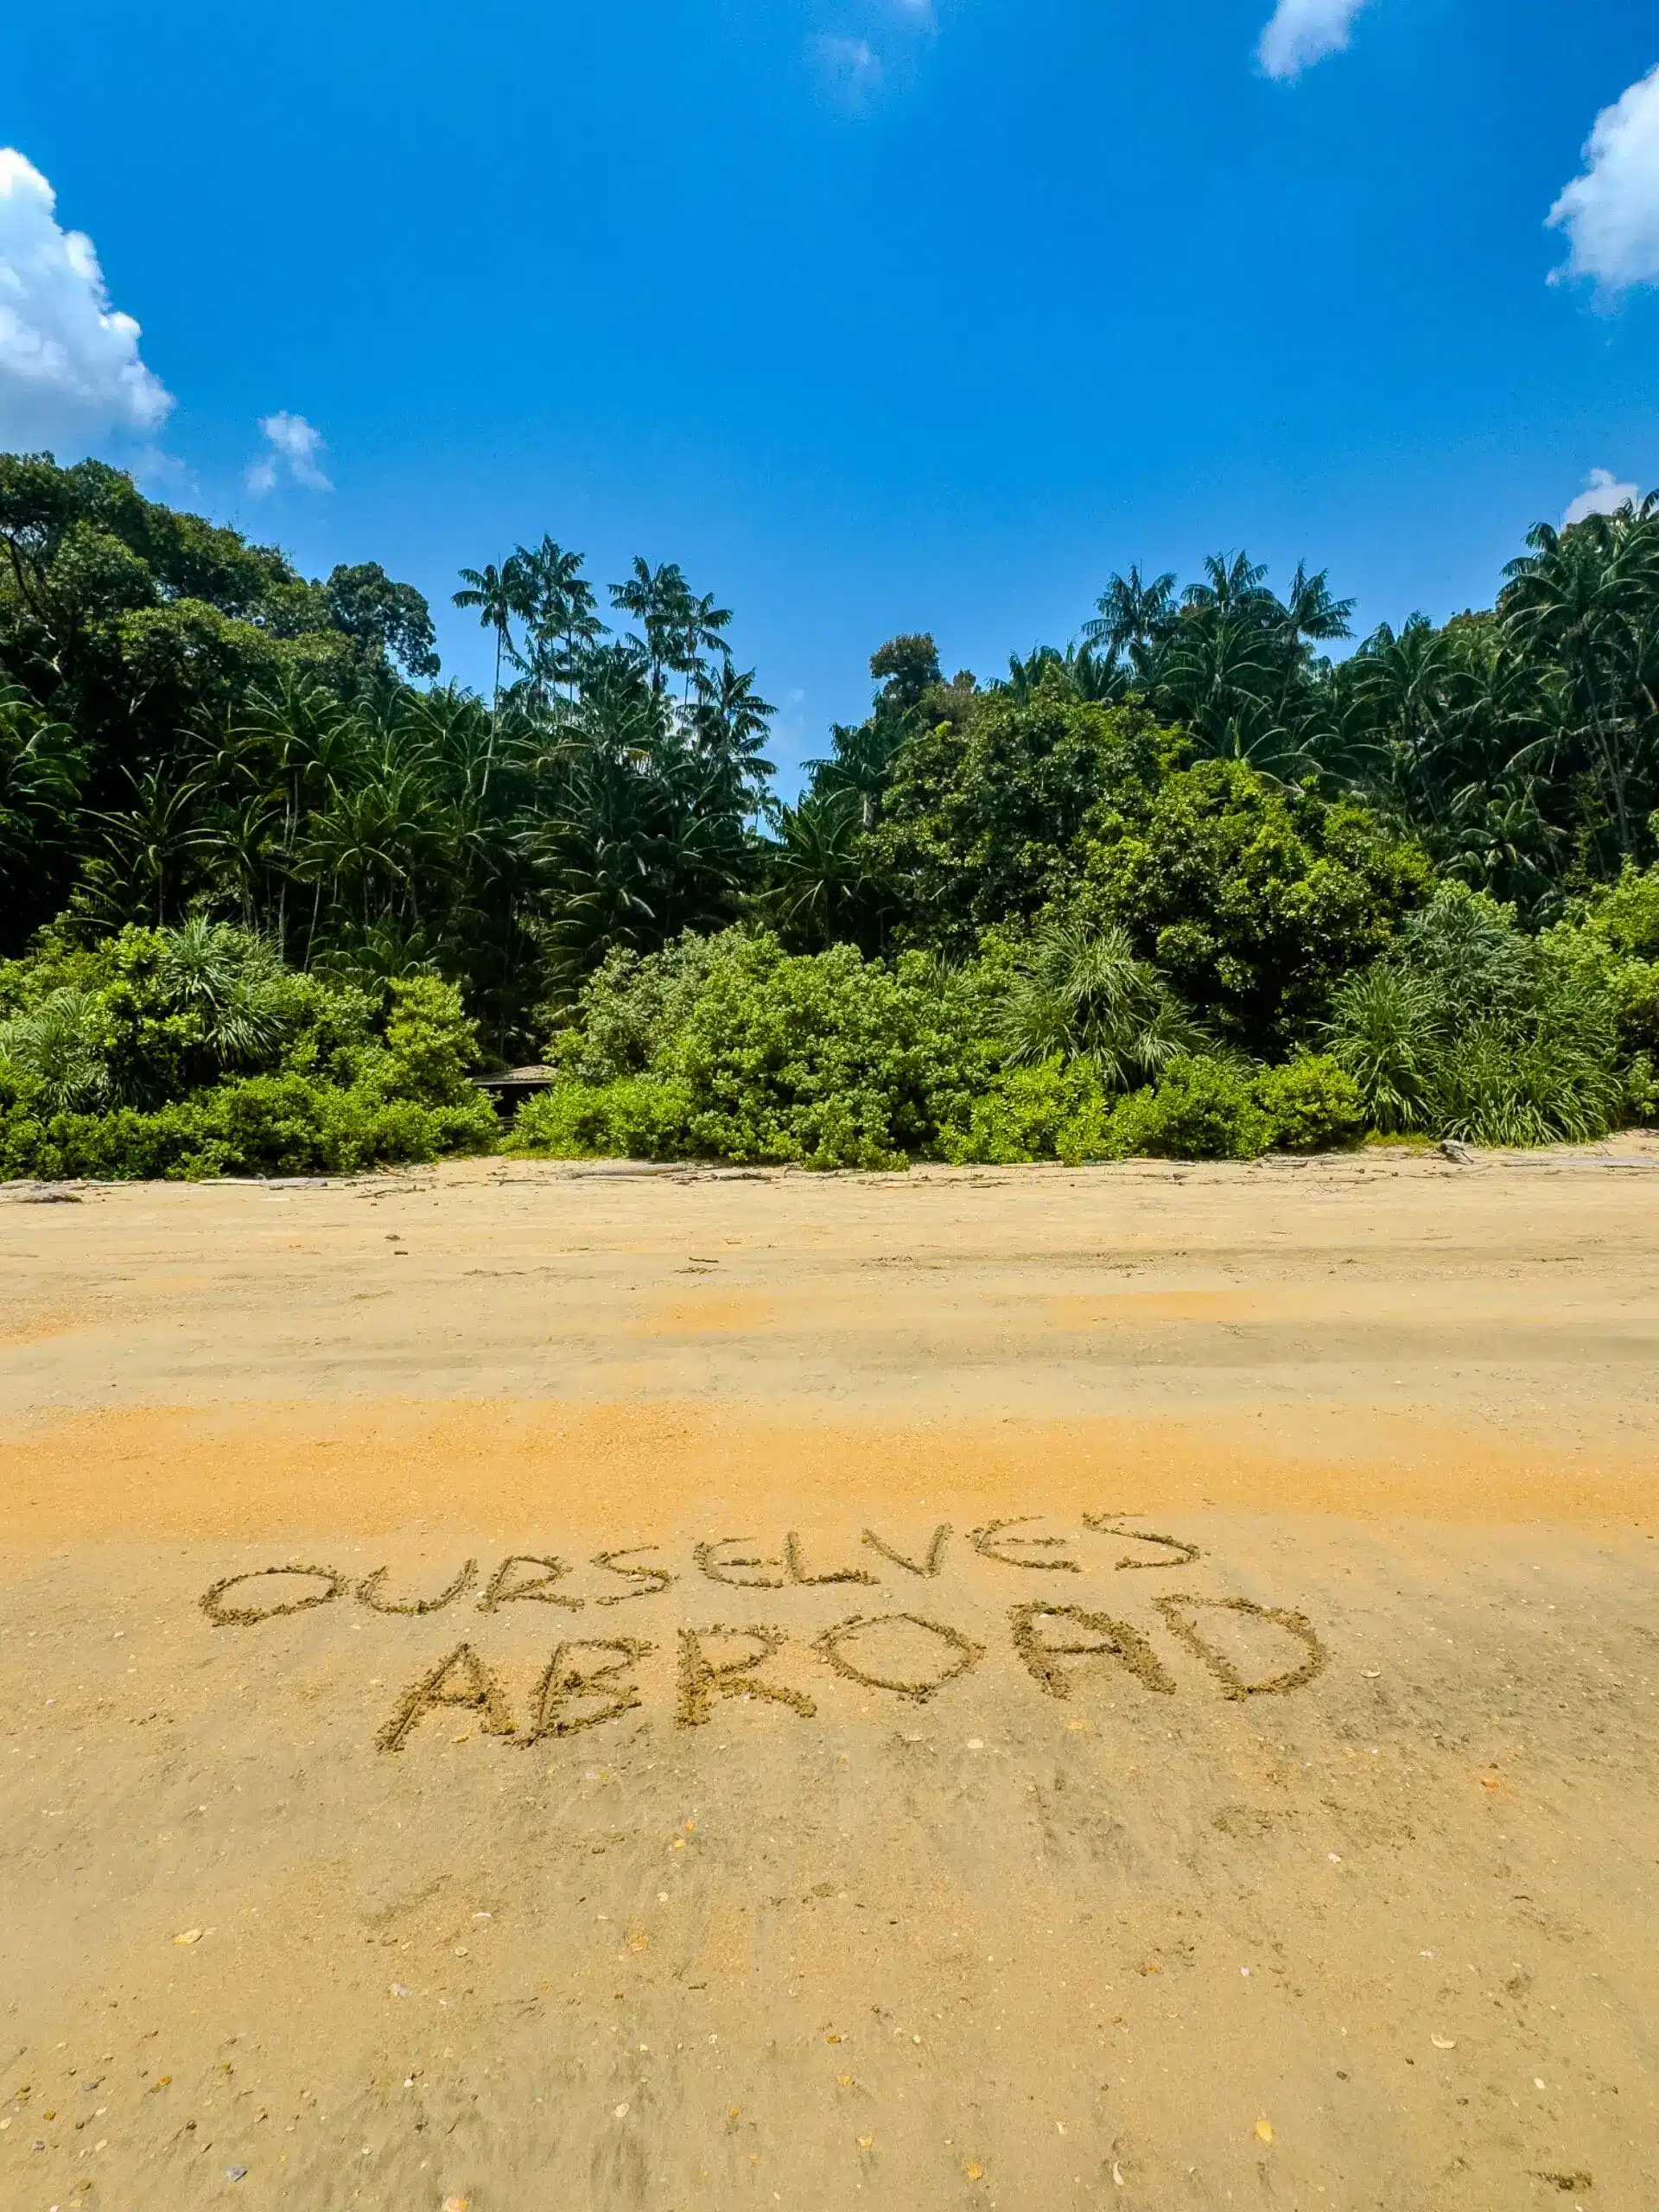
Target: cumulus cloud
x: 1602, y: 495
x: 1303, y: 32
x: 1610, y: 213
x: 294, y: 446
x: 69, y: 363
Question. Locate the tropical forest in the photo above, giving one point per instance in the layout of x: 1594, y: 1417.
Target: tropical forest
x: 1216, y: 877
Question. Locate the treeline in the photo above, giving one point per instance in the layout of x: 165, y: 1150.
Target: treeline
x: 1191, y: 858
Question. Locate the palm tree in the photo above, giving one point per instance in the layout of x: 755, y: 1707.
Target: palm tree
x: 561, y: 618
x: 702, y: 625
x: 237, y: 847
x: 1310, y: 613
x: 150, y: 841
x: 1132, y: 613
x: 1581, y: 600
x: 500, y: 596
x: 43, y: 768
x: 660, y: 601
x: 731, y: 727
x: 1233, y: 585
x: 818, y: 879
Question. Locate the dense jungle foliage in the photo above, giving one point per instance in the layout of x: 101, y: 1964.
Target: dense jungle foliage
x: 1195, y: 885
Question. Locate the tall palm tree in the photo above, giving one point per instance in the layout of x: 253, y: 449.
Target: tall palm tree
x: 730, y: 723
x: 702, y: 626
x: 561, y: 619
x: 43, y: 768
x: 660, y: 601
x: 1235, y: 585
x: 500, y: 595
x: 150, y: 841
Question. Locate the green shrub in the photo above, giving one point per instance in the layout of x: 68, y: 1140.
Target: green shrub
x: 193, y: 1052
x: 1386, y: 1033
x: 731, y: 1048
x: 1079, y: 993
x: 260, y: 1125
x: 1626, y: 913
x: 431, y: 1044
x: 1312, y: 1104
x: 633, y: 1007
x: 636, y: 1117
x: 1470, y: 1028
x: 828, y: 1059
x: 1203, y: 1108
x: 1023, y: 1114
x: 1494, y: 1088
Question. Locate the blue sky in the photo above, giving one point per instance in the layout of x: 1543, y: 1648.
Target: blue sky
x: 876, y: 314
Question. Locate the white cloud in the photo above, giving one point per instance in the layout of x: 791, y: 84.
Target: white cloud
x: 1303, y: 32
x: 1602, y: 495
x: 850, y: 68
x: 1610, y: 213
x: 69, y: 363
x: 294, y: 446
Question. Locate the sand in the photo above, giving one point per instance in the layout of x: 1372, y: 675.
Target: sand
x: 552, y: 1689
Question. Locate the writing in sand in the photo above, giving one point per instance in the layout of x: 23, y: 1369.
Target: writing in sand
x: 589, y: 1681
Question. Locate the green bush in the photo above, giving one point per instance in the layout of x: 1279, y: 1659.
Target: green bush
x: 150, y: 1015
x: 730, y: 1048
x: 1612, y: 945
x: 736, y: 1050
x: 1255, y: 900
x: 1312, y: 1104
x: 193, y: 1052
x: 636, y: 1117
x: 1203, y: 1108
x: 431, y: 1044
x: 986, y: 819
x: 633, y: 1007
x: 1626, y: 913
x: 1470, y: 1028
x: 260, y: 1125
x: 1023, y: 1114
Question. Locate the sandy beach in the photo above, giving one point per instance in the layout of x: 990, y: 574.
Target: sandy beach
x: 558, y: 1687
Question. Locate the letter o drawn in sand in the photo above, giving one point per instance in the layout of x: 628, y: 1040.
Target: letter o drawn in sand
x: 1112, y: 1639
x: 1233, y: 1684
x: 224, y: 1616
x: 962, y: 1653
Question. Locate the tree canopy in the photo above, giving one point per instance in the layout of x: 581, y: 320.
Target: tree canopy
x: 1205, y: 827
